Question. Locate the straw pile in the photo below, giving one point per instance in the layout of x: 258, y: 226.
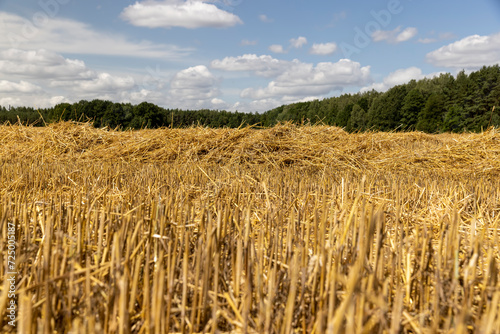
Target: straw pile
x: 283, y: 230
x: 282, y: 145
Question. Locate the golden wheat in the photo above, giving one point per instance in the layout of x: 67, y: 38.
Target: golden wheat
x: 289, y: 229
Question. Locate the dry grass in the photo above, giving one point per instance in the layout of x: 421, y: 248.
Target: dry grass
x: 285, y: 144
x: 288, y: 229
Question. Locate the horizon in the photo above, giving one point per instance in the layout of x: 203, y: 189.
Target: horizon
x: 233, y: 55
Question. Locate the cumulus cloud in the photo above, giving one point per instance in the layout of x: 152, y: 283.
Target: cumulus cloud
x: 447, y: 35
x: 153, y: 96
x: 276, y: 48
x: 41, y: 101
x: 295, y: 79
x: 427, y: 40
x: 102, y: 82
x: 41, y: 64
x: 43, y: 78
x: 301, y: 80
x: 394, y: 36
x: 18, y: 87
x: 265, y: 19
x: 295, y: 43
x: 323, y: 49
x: 247, y: 42
x: 398, y: 77
x: 26, y: 93
x: 74, y: 37
x: 440, y: 37
x: 264, y: 65
x: 471, y: 52
x: 256, y: 105
x: 47, y: 77
x: 71, y: 74
x: 194, y: 86
x: 298, y: 42
x: 406, y: 34
x: 178, y: 13
x: 217, y: 101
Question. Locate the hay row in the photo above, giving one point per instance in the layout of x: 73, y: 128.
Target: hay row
x: 282, y: 230
x: 284, y: 144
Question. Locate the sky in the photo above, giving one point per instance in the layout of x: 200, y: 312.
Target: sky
x: 244, y: 55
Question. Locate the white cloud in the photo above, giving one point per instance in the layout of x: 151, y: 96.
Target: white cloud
x: 255, y: 105
x: 394, y: 36
x: 406, y: 34
x: 398, y: 77
x: 21, y: 87
x: 323, y: 48
x: 70, y: 74
x: 101, y: 83
x: 471, y: 52
x: 276, y: 48
x: 178, y: 13
x: 293, y: 81
x: 216, y: 101
x: 247, y: 42
x: 298, y: 42
x: 38, y: 101
x: 47, y: 78
x: 74, y: 37
x: 264, y: 18
x: 301, y: 80
x: 136, y: 97
x: 427, y: 40
x: 194, y: 87
x: 264, y: 65
x: 268, y: 104
x: 442, y: 36
x: 447, y: 35
x: 382, y: 35
x: 41, y: 64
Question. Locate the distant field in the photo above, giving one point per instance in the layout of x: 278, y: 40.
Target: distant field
x: 288, y: 229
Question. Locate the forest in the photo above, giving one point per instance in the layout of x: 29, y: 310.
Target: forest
x: 444, y: 103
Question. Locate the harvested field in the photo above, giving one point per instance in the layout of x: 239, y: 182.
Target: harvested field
x: 292, y: 229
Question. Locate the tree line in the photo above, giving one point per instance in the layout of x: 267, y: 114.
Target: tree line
x: 442, y: 104
x: 126, y: 116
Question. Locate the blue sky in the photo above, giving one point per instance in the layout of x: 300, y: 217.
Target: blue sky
x: 246, y: 55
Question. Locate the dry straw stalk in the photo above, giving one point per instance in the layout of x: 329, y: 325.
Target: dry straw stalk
x: 288, y: 229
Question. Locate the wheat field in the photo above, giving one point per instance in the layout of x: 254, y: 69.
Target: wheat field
x: 291, y: 229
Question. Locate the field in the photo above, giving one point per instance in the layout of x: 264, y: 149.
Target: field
x: 292, y: 229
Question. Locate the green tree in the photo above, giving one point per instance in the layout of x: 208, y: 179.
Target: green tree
x: 82, y: 111
x: 384, y: 113
x: 147, y: 115
x: 114, y: 115
x: 453, y: 120
x: 413, y: 104
x: 430, y: 118
x: 96, y: 109
x: 60, y: 112
x: 331, y: 112
x: 344, y: 116
x: 358, y: 118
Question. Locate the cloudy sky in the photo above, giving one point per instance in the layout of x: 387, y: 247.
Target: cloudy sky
x: 246, y: 55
